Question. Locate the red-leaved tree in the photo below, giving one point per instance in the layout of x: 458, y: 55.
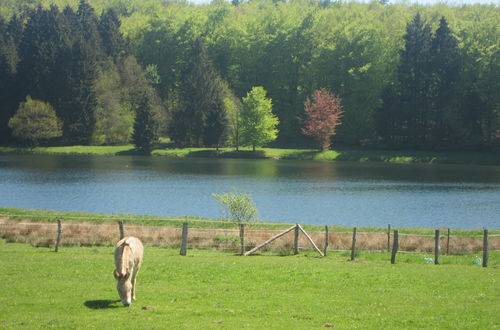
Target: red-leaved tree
x: 323, y: 115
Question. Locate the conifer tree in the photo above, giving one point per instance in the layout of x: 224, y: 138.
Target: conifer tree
x: 146, y: 125
x: 89, y: 29
x: 200, y: 119
x: 9, y: 58
x: 415, y: 80
x: 446, y: 74
x: 109, y: 29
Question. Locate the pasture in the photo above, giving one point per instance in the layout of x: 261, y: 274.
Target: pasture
x: 209, y: 289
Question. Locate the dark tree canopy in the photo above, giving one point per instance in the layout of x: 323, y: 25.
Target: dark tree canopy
x: 200, y: 119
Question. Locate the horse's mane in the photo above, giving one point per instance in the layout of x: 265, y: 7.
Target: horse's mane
x: 124, y: 256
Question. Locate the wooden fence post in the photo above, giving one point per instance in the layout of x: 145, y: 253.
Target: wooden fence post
x: 120, y: 228
x: 296, y: 240
x: 485, y: 248
x: 353, y: 248
x: 326, y: 241
x: 389, y: 238
x: 242, y: 238
x: 448, y: 242
x: 59, y: 232
x: 437, y: 246
x: 395, y: 246
x: 184, y: 238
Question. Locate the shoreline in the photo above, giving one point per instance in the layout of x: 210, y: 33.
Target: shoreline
x: 354, y: 155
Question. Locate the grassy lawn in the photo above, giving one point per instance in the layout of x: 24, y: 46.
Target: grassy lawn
x: 357, y: 155
x: 213, y: 290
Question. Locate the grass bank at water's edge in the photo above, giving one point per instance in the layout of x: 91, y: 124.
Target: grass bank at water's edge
x: 357, y: 155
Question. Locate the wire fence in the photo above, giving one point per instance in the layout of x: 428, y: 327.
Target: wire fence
x: 43, y: 234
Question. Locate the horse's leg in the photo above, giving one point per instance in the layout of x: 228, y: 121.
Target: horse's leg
x: 134, y: 275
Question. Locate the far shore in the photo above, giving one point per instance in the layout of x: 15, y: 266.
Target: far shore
x: 356, y: 155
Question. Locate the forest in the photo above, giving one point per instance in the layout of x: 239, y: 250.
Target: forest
x: 108, y: 72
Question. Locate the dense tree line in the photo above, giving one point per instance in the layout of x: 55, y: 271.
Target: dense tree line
x: 408, y: 76
x: 76, y: 62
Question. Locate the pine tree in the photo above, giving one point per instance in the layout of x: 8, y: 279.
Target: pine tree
x: 89, y: 29
x: 9, y: 58
x: 415, y: 80
x: 446, y: 73
x: 109, y: 29
x: 200, y: 119
x: 146, y: 125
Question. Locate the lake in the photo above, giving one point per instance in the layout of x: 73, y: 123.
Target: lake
x: 342, y: 193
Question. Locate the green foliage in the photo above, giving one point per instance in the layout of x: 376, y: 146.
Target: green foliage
x: 114, y: 118
x: 35, y: 121
x: 238, y: 206
x: 233, y: 107
x: 257, y: 122
x: 362, y: 51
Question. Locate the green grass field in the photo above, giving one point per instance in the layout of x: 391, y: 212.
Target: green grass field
x: 213, y: 290
x: 390, y: 156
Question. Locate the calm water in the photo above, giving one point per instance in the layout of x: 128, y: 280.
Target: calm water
x: 306, y: 192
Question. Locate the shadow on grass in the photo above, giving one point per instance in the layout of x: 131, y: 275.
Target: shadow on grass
x: 258, y: 154
x: 102, y: 304
x: 132, y: 152
x: 302, y: 155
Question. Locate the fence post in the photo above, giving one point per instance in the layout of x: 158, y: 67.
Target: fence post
x: 389, y: 238
x: 296, y: 240
x: 326, y: 241
x: 437, y: 246
x: 353, y: 248
x: 184, y: 238
x: 242, y: 238
x: 485, y: 248
x: 59, y: 232
x: 120, y: 227
x: 448, y: 242
x: 395, y: 246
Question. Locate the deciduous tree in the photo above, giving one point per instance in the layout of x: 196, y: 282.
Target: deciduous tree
x: 34, y: 121
x: 323, y: 115
x: 257, y: 121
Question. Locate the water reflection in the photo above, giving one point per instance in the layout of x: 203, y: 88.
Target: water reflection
x: 292, y: 191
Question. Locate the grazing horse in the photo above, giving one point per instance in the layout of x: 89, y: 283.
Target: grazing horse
x: 128, y: 260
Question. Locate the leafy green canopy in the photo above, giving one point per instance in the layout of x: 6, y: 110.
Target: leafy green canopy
x: 257, y: 122
x: 34, y: 121
x: 238, y: 206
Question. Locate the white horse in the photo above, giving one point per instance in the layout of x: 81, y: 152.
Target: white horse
x: 128, y: 260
